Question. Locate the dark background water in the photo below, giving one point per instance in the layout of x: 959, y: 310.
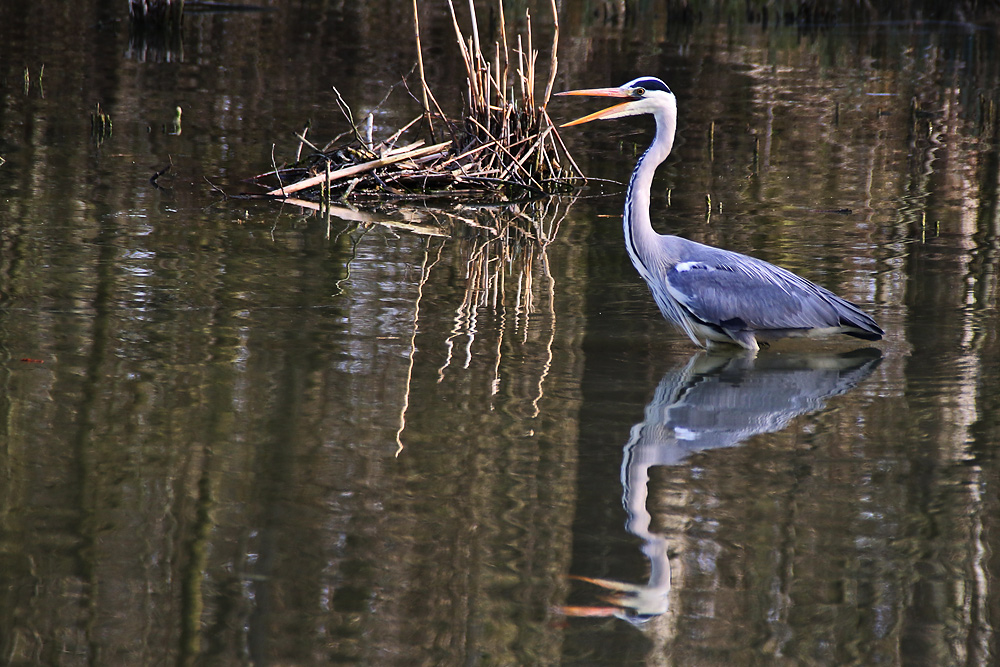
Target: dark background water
x: 238, y: 432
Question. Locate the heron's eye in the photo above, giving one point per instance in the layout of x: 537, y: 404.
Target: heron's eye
x: 638, y: 92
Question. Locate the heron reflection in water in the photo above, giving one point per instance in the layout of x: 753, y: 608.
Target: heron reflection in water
x: 714, y: 401
x: 717, y: 297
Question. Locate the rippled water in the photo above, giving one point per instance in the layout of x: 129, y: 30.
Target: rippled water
x: 238, y: 432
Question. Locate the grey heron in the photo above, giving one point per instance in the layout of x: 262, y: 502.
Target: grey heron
x: 715, y: 296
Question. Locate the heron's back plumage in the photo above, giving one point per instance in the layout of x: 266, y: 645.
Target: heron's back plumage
x: 736, y: 296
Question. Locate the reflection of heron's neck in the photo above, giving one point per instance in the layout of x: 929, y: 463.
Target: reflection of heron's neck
x: 635, y: 493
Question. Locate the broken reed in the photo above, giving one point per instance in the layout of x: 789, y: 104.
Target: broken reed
x: 506, y: 147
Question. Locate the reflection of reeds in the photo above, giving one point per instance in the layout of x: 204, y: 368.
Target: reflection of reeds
x: 504, y: 253
x: 502, y: 264
x: 505, y: 148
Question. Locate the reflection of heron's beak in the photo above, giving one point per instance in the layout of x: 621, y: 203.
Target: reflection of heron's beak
x: 599, y: 92
x: 631, y: 602
x: 610, y: 584
x: 588, y: 612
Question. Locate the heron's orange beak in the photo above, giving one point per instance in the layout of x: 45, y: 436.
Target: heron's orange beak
x: 598, y: 92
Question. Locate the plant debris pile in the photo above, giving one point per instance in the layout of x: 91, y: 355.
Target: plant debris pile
x: 505, y: 149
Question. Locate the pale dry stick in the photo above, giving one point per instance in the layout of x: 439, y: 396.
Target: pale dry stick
x: 532, y: 59
x: 482, y: 170
x: 327, y: 196
x: 520, y: 67
x: 529, y: 101
x: 506, y: 52
x: 420, y: 69
x: 475, y: 27
x: 545, y: 160
x: 413, y: 163
x: 466, y: 58
x: 329, y: 222
x: 389, y: 143
x: 302, y: 140
x: 425, y: 272
x: 486, y: 76
x: 350, y: 118
x: 281, y: 188
x: 554, y: 59
x: 480, y: 102
x: 346, y: 110
x: 440, y: 112
x: 482, y: 67
x: 357, y: 169
x: 496, y: 65
x: 555, y: 133
x: 539, y: 150
x: 350, y: 188
x: 518, y: 161
x: 399, y: 150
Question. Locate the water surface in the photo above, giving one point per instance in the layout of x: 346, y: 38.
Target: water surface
x: 238, y: 432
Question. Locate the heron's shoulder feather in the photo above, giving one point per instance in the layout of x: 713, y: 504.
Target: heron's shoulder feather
x: 735, y: 291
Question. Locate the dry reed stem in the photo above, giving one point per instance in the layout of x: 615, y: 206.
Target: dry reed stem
x: 361, y: 168
x: 554, y: 60
x: 420, y: 67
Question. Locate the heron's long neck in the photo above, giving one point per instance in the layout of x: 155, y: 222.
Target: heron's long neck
x: 640, y: 238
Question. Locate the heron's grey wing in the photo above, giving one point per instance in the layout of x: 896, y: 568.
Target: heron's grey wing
x: 748, y: 294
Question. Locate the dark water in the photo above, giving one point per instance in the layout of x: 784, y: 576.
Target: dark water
x: 235, y: 432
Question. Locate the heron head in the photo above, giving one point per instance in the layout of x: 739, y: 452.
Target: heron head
x: 646, y: 94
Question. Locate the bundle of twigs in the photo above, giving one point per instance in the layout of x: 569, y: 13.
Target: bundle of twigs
x: 505, y: 149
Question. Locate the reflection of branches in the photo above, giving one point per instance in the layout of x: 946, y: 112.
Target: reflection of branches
x: 499, y: 251
x: 552, y: 333
x: 425, y: 273
x: 506, y: 249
